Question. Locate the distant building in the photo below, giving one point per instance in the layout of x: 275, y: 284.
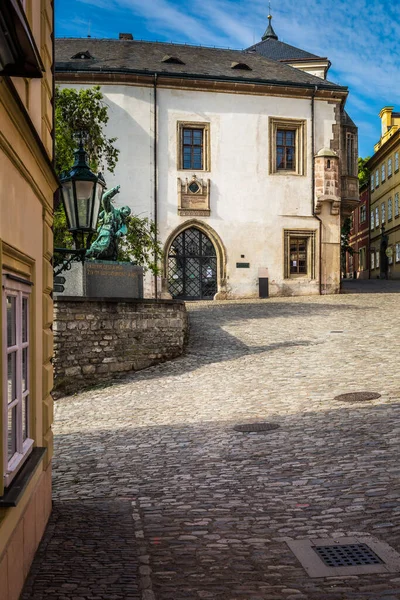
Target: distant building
x: 27, y: 185
x: 246, y: 160
x: 385, y: 190
x: 357, y: 266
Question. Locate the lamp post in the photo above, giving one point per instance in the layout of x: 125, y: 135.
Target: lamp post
x: 81, y: 193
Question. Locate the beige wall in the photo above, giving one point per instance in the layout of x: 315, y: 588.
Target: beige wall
x: 26, y: 214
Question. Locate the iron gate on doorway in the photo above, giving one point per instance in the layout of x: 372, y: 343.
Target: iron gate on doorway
x: 192, y: 266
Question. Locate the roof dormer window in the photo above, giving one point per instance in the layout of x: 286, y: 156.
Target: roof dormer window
x: 172, y: 60
x: 82, y: 55
x: 240, y: 66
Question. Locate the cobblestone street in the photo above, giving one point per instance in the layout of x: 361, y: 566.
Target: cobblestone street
x: 183, y: 507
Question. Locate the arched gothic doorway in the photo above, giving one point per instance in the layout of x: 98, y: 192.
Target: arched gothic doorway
x: 192, y: 266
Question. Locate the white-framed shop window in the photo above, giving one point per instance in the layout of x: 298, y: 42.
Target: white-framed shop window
x: 17, y: 441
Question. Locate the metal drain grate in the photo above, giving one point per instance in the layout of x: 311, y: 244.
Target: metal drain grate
x: 358, y: 396
x: 350, y: 555
x: 256, y: 427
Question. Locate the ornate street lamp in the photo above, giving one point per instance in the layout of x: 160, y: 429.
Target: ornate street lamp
x: 81, y: 193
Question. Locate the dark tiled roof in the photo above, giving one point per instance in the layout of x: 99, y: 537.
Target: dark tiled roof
x: 277, y: 50
x: 116, y: 56
x: 347, y: 120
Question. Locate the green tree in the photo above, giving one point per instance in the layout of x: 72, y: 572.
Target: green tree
x: 84, y: 113
x: 363, y: 171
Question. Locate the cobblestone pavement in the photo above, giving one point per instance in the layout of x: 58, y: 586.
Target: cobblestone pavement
x: 212, y: 507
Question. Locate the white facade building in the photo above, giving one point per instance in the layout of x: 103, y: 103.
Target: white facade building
x: 245, y: 162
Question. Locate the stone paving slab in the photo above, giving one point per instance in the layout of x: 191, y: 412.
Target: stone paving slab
x: 89, y: 552
x: 213, y: 506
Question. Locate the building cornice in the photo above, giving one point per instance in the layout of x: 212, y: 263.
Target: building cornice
x: 204, y: 83
x: 385, y: 149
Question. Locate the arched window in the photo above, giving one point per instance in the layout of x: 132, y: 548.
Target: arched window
x: 192, y: 266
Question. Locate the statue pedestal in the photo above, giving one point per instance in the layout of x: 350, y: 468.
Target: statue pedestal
x: 103, y: 279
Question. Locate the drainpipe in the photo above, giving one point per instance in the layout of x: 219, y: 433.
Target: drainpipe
x: 313, y: 184
x: 155, y: 180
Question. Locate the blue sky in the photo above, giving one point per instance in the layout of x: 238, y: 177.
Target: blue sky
x: 360, y: 37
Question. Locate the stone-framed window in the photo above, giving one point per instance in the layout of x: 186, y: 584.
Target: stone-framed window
x: 287, y: 146
x: 383, y: 172
x: 363, y: 213
x: 361, y: 259
x: 390, y: 173
x: 372, y: 182
x: 390, y: 209
x: 16, y: 381
x: 396, y: 162
x: 299, y: 253
x: 193, y: 147
x: 372, y: 260
x: 383, y: 213
x: 372, y: 219
x: 377, y: 217
x: 351, y: 154
x: 396, y: 204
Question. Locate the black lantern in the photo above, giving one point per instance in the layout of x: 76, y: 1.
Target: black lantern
x: 82, y: 191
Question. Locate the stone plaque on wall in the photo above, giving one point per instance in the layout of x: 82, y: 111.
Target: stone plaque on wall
x: 194, y: 197
x: 103, y: 279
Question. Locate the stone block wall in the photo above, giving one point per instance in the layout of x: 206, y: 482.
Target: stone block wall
x: 95, y: 340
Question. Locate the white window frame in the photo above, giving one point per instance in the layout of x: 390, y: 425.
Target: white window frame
x: 377, y: 259
x: 376, y: 178
x: 383, y: 172
x: 390, y: 209
x: 396, y: 204
x: 372, y: 220
x: 377, y: 217
x: 397, y: 252
x: 372, y: 182
x: 14, y: 287
x: 389, y: 167
x: 372, y: 260
x: 383, y: 213
x: 363, y: 213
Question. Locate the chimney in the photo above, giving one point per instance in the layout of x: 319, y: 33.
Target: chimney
x: 125, y: 36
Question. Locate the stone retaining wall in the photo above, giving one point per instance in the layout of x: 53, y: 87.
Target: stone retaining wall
x: 97, y: 339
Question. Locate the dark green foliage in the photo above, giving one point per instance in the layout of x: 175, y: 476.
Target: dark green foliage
x: 83, y: 113
x: 139, y: 245
x: 363, y: 171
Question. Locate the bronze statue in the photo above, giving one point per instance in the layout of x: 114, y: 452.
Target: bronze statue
x: 112, y: 228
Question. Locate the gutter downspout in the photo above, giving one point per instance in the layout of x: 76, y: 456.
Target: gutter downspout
x: 155, y: 196
x: 313, y: 184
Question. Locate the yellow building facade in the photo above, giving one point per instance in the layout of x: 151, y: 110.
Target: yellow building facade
x: 27, y: 186
x: 385, y: 193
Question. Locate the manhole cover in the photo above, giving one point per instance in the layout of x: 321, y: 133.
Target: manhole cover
x: 256, y: 427
x: 349, y: 555
x: 358, y: 396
